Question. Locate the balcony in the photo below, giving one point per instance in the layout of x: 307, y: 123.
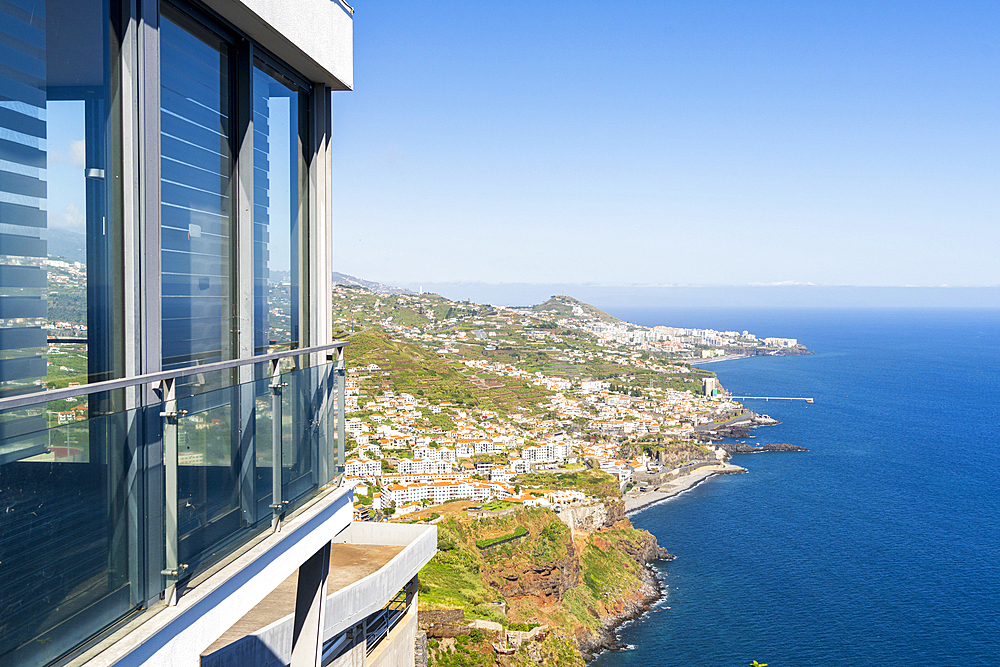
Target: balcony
x: 371, y: 591
x: 114, y: 518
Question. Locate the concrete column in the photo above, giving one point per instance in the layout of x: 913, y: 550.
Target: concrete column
x: 310, y: 607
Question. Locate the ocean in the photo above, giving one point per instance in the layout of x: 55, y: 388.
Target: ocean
x: 880, y: 545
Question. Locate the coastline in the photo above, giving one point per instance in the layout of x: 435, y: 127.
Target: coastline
x: 652, y: 589
x: 673, y: 488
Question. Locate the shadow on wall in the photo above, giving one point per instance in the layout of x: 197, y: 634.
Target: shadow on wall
x: 247, y: 651
x: 252, y: 650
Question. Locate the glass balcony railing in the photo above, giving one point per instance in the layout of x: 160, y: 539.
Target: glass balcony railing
x: 105, y: 512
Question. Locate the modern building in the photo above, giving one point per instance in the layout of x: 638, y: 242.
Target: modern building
x: 171, y: 396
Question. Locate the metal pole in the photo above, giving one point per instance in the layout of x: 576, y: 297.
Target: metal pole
x: 277, y: 505
x: 174, y: 569
x: 341, y: 391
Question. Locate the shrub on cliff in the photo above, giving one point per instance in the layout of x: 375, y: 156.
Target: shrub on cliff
x: 520, y: 531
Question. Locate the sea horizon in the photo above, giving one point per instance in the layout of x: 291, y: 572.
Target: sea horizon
x: 795, y: 296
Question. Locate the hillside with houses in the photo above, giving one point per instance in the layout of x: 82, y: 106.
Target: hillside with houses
x: 518, y: 431
x: 460, y: 401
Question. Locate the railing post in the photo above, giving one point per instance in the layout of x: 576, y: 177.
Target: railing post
x: 277, y: 505
x: 341, y: 404
x: 174, y: 569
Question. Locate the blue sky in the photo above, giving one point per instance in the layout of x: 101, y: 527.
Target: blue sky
x: 703, y: 143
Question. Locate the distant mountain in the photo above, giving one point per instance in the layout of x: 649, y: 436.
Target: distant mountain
x: 67, y: 244
x: 380, y: 288
x: 567, y: 305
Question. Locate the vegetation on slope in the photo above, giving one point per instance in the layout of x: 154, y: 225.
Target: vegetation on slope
x: 548, y: 577
x: 563, y: 305
x: 591, y: 482
x: 417, y: 370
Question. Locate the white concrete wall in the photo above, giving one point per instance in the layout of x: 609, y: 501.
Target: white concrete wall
x: 316, y: 37
x: 271, y: 646
x: 353, y: 603
x: 176, y: 636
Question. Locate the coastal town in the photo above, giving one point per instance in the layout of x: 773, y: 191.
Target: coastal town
x: 526, y: 435
x: 449, y: 401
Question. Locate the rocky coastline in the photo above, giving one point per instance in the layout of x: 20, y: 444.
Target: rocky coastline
x: 735, y: 427
x: 605, y: 638
x: 638, y: 500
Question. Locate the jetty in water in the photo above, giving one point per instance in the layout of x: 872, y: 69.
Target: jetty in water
x: 770, y: 398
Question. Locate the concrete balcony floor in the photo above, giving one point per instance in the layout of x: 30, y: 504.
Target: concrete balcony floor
x: 348, y: 563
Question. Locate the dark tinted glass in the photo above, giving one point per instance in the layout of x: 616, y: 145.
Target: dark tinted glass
x: 278, y: 208
x: 65, y: 561
x: 195, y: 189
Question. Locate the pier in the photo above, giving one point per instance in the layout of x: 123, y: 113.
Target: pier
x: 769, y: 398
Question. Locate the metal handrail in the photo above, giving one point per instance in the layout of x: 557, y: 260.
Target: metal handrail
x: 26, y: 400
x: 385, y: 619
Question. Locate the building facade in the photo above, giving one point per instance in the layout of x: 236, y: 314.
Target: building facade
x: 171, y: 396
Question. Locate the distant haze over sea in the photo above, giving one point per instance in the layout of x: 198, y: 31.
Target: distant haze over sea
x: 735, y: 296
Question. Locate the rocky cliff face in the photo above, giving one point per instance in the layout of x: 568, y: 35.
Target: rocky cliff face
x: 592, y: 642
x: 546, y: 580
x: 678, y: 453
x: 590, y: 518
x: 581, y: 585
x: 649, y: 550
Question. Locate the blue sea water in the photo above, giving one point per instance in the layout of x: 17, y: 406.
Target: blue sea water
x: 881, y: 545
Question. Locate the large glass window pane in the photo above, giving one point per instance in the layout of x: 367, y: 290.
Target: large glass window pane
x: 195, y: 237
x: 279, y: 187
x: 195, y: 167
x: 301, y: 403
x: 64, y: 534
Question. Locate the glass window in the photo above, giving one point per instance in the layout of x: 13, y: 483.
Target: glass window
x: 64, y: 532
x: 195, y: 236
x: 195, y: 168
x: 278, y: 208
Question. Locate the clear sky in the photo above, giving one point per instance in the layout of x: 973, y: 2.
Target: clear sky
x: 713, y: 143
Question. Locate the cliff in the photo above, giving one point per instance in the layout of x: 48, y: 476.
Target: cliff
x: 580, y: 583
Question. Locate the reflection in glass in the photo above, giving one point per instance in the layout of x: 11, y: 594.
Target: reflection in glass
x: 278, y: 208
x: 302, y: 401
x: 263, y: 429
x: 208, y: 503
x: 64, y: 538
x: 195, y: 189
x: 64, y: 532
x: 195, y: 169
